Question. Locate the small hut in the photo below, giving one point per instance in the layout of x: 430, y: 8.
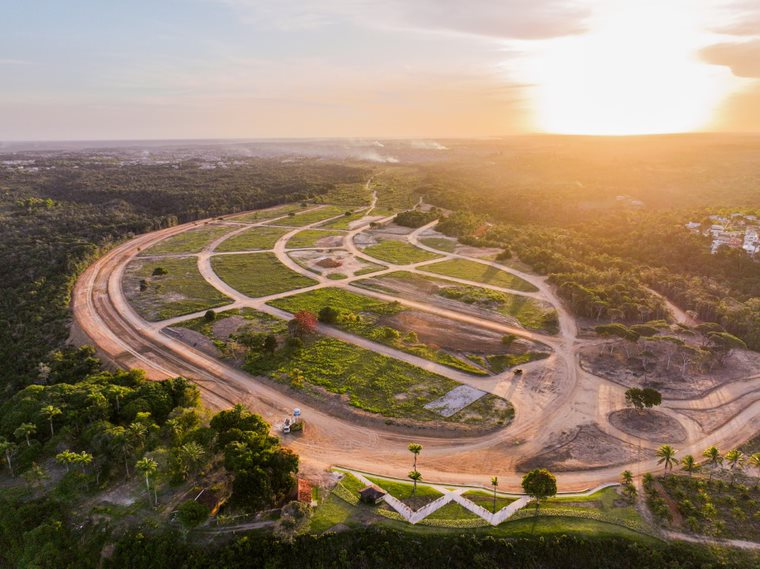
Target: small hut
x: 371, y: 494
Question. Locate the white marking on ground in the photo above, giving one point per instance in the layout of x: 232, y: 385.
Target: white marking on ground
x: 455, y: 400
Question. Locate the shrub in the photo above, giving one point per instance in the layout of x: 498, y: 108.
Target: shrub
x: 328, y: 315
x: 159, y: 271
x: 192, y: 514
x: 210, y: 316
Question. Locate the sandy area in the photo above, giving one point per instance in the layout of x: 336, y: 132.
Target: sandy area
x: 648, y: 424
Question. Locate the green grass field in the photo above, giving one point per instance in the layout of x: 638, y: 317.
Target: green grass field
x: 309, y: 238
x: 252, y: 239
x: 485, y: 499
x: 370, y: 381
x: 478, y: 272
x: 255, y: 321
x: 361, y: 315
x: 345, y: 222
x: 257, y: 274
x: 398, y: 252
x: 190, y: 241
x: 181, y: 291
x: 440, y: 243
x: 311, y: 216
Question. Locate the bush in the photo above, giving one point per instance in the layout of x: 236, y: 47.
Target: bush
x: 192, y: 514
x: 159, y: 272
x: 328, y: 315
x: 210, y: 316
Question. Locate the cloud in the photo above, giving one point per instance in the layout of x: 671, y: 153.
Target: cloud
x: 503, y: 19
x: 741, y: 19
x: 742, y: 57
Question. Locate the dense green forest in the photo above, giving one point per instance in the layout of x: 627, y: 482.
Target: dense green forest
x: 606, y: 220
x: 58, y: 215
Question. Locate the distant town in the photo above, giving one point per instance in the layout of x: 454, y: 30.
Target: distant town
x: 736, y: 230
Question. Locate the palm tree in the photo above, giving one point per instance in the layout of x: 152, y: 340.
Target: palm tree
x: 82, y: 459
x: 627, y: 477
x: 713, y: 456
x: 415, y: 476
x: 7, y: 447
x: 148, y: 467
x: 735, y: 459
x: 667, y: 456
x: 494, y: 483
x: 190, y: 456
x: 49, y: 412
x: 66, y: 458
x: 24, y: 430
x: 415, y: 449
x: 754, y: 460
x: 689, y: 464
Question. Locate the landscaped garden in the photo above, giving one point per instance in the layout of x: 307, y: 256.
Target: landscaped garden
x: 190, y: 241
x: 257, y: 274
x: 398, y: 252
x: 262, y: 237
x: 163, y: 288
x: 479, y: 272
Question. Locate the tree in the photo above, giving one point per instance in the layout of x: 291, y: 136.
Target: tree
x: 67, y: 458
x: 754, y: 460
x: 735, y: 459
x: 667, y: 456
x: 629, y: 489
x: 82, y: 459
x: 270, y: 343
x: 303, y: 323
x: 689, y: 464
x: 148, y: 467
x: 642, y: 398
x: 189, y: 458
x: 192, y: 514
x: 415, y: 449
x: 627, y: 477
x: 49, y: 412
x: 210, y: 316
x: 415, y: 476
x: 328, y: 315
x: 7, y: 448
x: 539, y: 484
x: 714, y: 458
x: 494, y: 483
x: 24, y: 430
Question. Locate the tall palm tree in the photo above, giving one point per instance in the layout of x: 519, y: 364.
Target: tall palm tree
x: 713, y: 456
x: 66, y: 458
x: 49, y: 412
x: 494, y: 483
x: 148, y: 467
x: 667, y: 456
x: 735, y: 459
x: 689, y: 464
x: 7, y: 447
x: 627, y: 477
x: 24, y: 430
x: 415, y: 449
x: 82, y: 459
x: 415, y: 476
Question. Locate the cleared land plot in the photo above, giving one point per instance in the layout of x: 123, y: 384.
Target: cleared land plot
x: 316, y: 238
x: 263, y: 214
x: 190, y: 241
x: 257, y: 274
x: 311, y: 216
x: 368, y: 380
x: 455, y: 400
x: 440, y: 243
x: 330, y: 261
x: 478, y: 272
x: 345, y: 222
x: 517, y: 309
x: 182, y: 290
x: 252, y: 239
x: 376, y: 320
x: 399, y: 252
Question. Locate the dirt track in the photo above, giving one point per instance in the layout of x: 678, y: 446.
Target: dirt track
x: 553, y: 398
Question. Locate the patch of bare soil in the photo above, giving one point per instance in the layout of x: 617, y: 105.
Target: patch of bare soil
x: 328, y: 261
x: 715, y: 417
x: 447, y: 334
x: 477, y: 252
x: 226, y: 327
x: 390, y: 230
x: 676, y: 372
x: 194, y: 339
x: 648, y: 424
x: 585, y: 449
x: 329, y: 241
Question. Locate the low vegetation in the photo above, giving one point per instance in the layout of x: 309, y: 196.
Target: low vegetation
x: 164, y: 288
x: 190, y: 241
x: 311, y: 216
x: 479, y: 272
x: 398, y: 252
x: 252, y: 239
x: 257, y: 274
x: 310, y: 237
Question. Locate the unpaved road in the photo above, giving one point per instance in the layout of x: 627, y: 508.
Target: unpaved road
x: 553, y: 398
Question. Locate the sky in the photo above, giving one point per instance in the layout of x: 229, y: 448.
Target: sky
x: 178, y: 69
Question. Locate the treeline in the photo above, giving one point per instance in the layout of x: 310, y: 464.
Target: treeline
x: 55, y: 221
